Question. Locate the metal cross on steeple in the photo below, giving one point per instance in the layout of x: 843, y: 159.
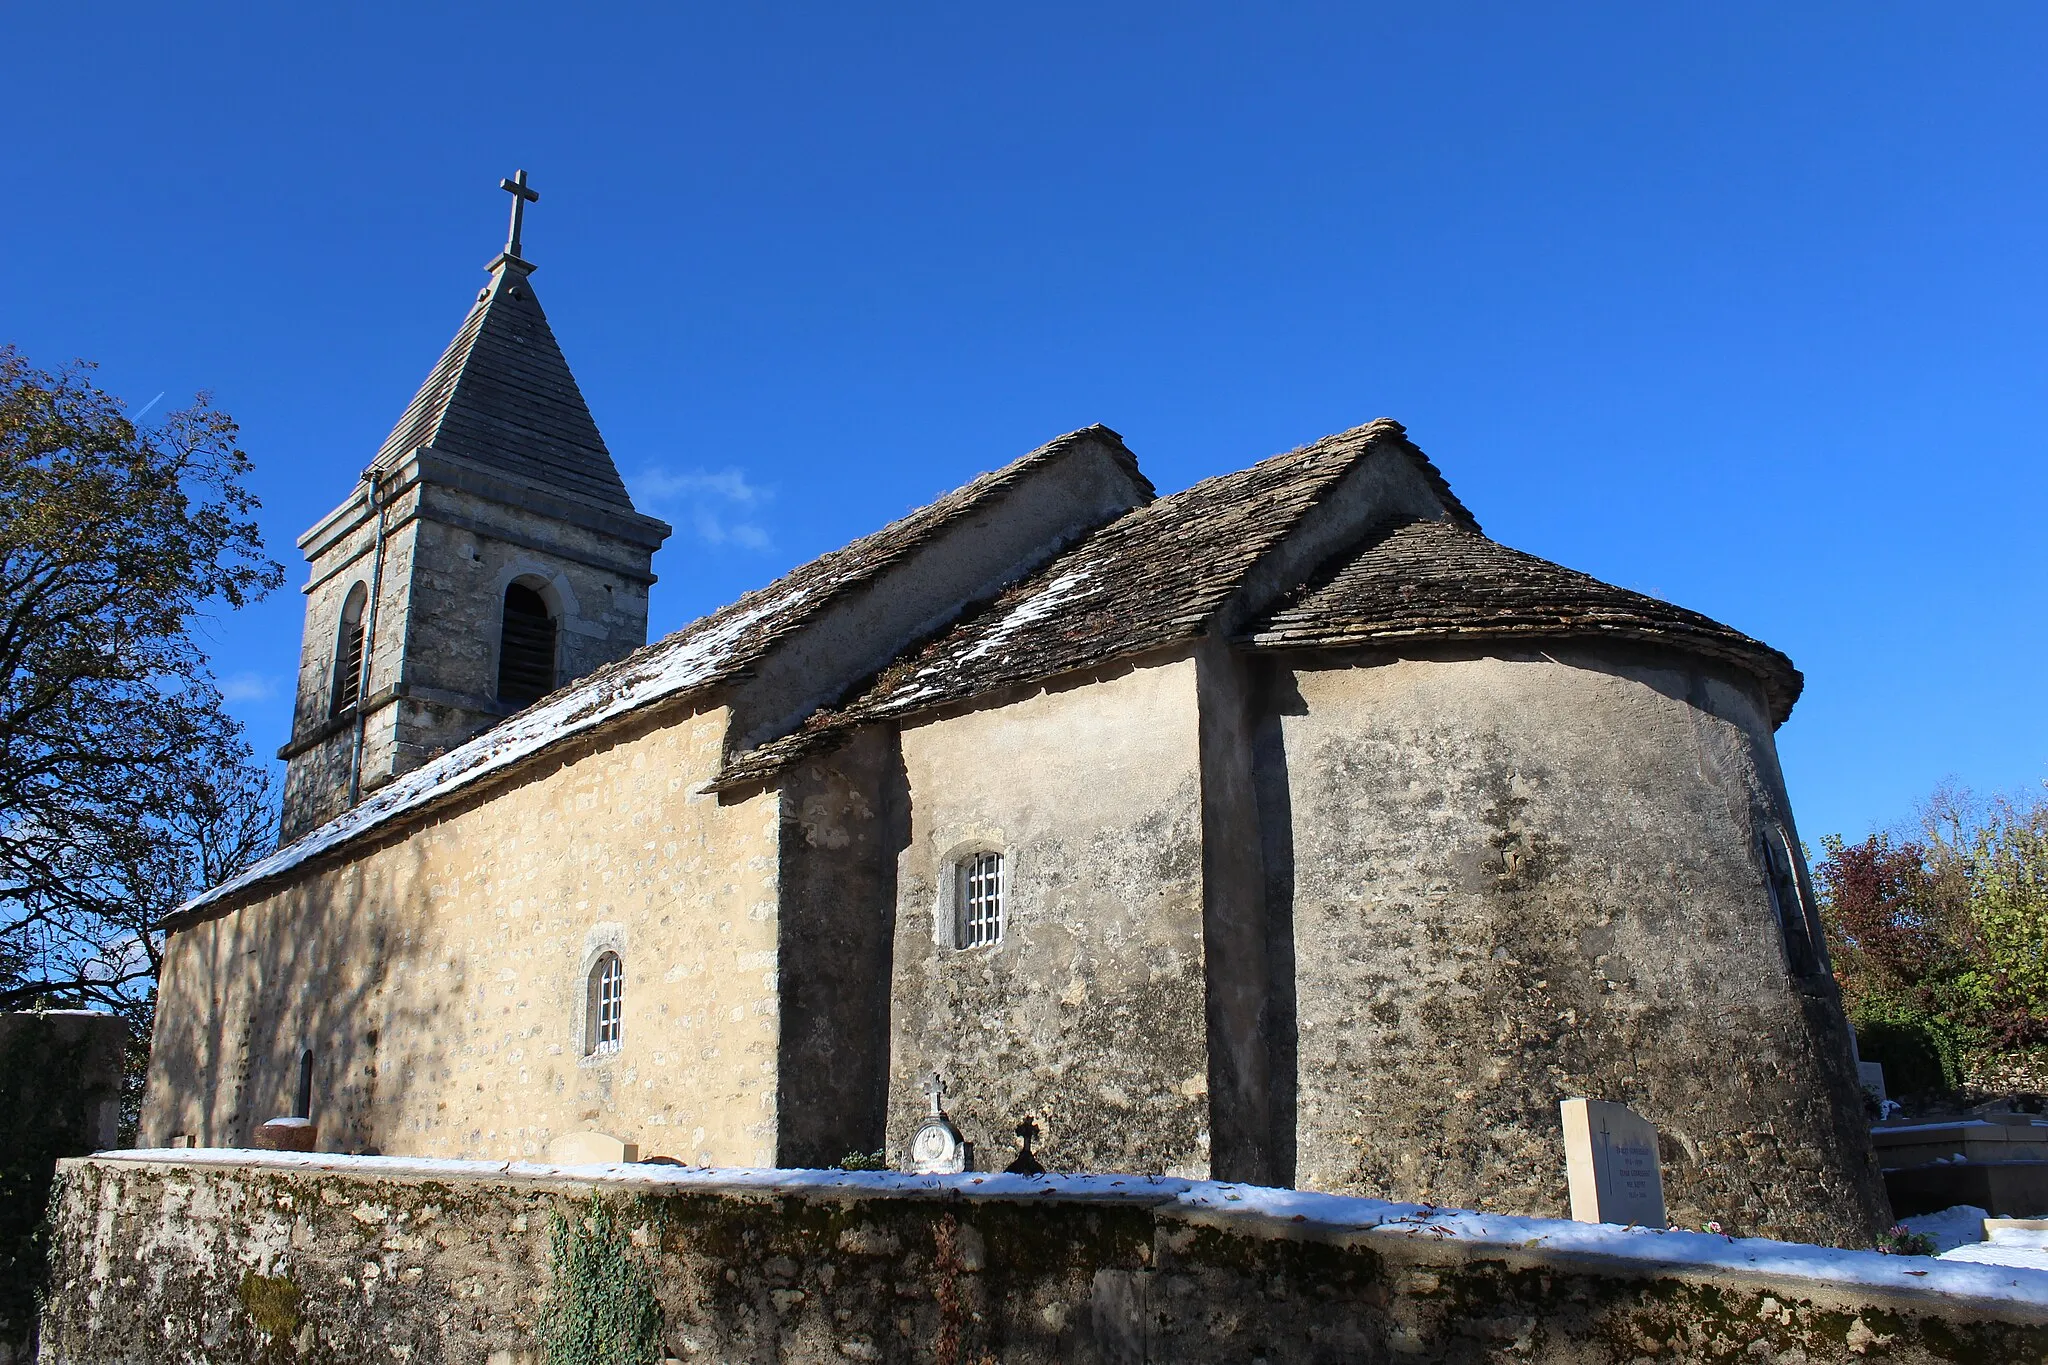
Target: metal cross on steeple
x: 521, y: 197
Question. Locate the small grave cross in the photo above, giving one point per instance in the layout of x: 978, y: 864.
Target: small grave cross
x: 521, y: 197
x: 1026, y: 1163
x: 936, y: 1088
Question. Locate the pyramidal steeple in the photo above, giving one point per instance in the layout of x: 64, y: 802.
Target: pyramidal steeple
x: 502, y: 395
x: 487, y: 555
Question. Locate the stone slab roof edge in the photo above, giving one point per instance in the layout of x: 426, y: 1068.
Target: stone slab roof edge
x: 1407, y: 579
x: 1257, y: 1210
x: 709, y: 653
x: 1149, y: 579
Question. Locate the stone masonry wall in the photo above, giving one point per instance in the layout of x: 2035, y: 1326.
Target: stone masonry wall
x: 440, y: 977
x: 174, y: 1262
x: 60, y: 1096
x: 1089, y: 1014
x: 448, y: 555
x: 1498, y: 902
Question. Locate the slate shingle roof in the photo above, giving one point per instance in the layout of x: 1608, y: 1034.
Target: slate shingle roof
x: 1150, y: 578
x: 502, y: 395
x: 1417, y: 580
x: 715, y: 649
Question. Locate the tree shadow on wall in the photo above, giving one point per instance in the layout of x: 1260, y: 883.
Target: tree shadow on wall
x: 321, y: 967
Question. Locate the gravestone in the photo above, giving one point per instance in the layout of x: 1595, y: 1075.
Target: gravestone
x: 1871, y: 1076
x: 288, y: 1134
x: 937, y: 1147
x: 1610, y: 1163
x: 592, y: 1149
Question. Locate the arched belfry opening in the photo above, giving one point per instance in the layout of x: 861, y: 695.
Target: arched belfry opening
x: 347, y: 688
x: 526, y: 647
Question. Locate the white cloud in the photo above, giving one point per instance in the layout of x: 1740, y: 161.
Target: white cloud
x: 721, y: 506
x: 244, y: 687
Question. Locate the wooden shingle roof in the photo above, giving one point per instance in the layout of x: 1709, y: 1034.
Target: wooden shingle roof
x: 502, y: 395
x: 1413, y: 580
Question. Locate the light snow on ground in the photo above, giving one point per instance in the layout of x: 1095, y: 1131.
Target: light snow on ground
x: 1950, y: 1228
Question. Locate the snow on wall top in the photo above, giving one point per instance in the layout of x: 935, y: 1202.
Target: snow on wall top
x: 1669, y: 1249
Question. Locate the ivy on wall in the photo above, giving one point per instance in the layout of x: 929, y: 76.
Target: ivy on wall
x: 602, y: 1309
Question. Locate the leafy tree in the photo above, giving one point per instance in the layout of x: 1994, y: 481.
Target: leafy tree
x: 1941, y: 942
x: 124, y: 784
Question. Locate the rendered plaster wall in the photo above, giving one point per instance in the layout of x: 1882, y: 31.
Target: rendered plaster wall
x: 440, y: 978
x: 1089, y: 1013
x: 1504, y: 880
x: 860, y: 632
x: 845, y: 819
x: 180, y: 1264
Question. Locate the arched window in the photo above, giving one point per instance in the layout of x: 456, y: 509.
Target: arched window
x: 978, y: 900
x: 348, y: 652
x: 605, y: 1012
x: 1803, y: 951
x: 302, y: 1102
x: 526, y: 647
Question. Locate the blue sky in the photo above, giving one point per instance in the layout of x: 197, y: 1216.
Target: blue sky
x: 1741, y: 305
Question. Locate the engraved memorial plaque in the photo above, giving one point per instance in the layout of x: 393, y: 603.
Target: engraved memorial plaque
x: 1610, y: 1163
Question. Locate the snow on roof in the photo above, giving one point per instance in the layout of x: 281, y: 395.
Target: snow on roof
x: 1151, y: 578
x: 1662, y: 1249
x: 692, y: 657
x: 712, y: 650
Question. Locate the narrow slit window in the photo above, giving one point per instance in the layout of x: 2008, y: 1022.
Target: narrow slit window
x: 348, y: 653
x: 1781, y: 880
x: 302, y: 1103
x: 978, y: 901
x: 607, y: 1010
x: 526, y: 647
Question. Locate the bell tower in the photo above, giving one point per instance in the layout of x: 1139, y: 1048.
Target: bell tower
x: 488, y: 555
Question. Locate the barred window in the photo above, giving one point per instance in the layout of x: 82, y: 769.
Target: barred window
x: 348, y: 653
x: 606, y: 1013
x: 526, y: 647
x: 978, y: 900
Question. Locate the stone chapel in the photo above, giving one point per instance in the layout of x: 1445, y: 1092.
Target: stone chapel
x: 1282, y: 829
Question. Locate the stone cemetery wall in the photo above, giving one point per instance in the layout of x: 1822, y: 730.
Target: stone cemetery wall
x: 60, y: 1096
x: 225, y: 1257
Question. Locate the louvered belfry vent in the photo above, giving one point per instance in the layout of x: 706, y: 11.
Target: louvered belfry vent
x: 526, y: 650
x: 348, y: 668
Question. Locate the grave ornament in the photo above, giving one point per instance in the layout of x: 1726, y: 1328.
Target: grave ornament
x: 1026, y: 1163
x: 1610, y: 1163
x: 937, y: 1147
